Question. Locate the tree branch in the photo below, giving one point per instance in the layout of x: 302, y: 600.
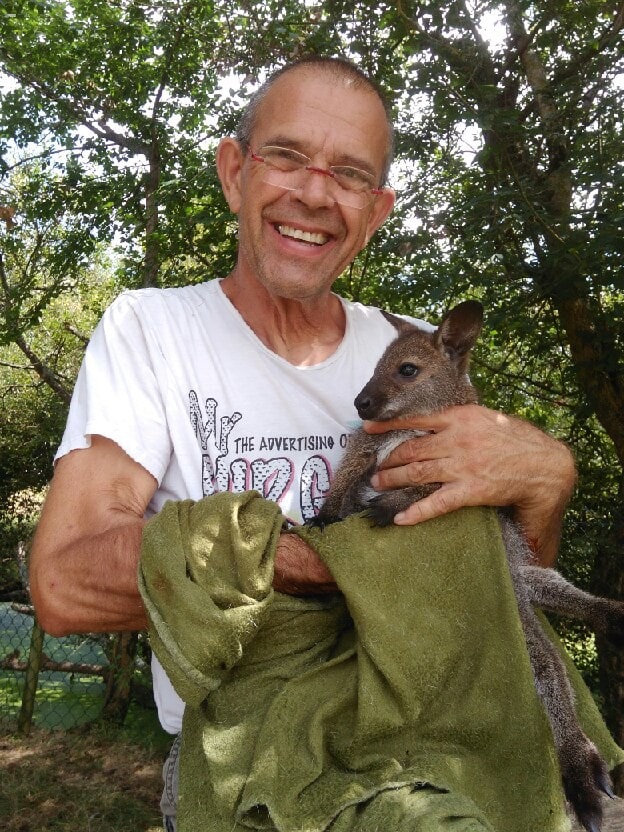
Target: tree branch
x: 44, y: 372
x: 73, y: 331
x: 73, y: 108
x: 11, y: 366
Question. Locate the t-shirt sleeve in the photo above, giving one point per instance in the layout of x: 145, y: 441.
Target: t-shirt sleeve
x: 120, y: 390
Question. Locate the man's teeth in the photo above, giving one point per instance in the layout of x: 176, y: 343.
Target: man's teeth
x: 305, y: 236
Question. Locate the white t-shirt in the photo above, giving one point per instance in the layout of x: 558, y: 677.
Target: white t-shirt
x: 179, y: 381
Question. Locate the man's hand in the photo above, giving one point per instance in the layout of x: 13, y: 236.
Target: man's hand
x: 483, y: 457
x: 299, y: 570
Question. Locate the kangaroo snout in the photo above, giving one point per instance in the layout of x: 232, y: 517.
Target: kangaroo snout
x: 367, y: 404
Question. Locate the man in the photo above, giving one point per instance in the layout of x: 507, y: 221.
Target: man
x: 248, y: 382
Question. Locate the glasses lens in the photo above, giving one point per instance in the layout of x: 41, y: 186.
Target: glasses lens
x: 295, y: 180
x: 353, y: 179
x: 283, y: 158
x: 289, y: 170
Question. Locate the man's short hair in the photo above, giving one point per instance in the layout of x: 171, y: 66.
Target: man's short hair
x: 339, y: 68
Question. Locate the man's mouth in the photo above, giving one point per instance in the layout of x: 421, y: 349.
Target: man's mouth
x: 304, y: 236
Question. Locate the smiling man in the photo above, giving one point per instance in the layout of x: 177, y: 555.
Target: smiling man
x: 294, y: 248
x: 247, y: 382
x: 290, y: 179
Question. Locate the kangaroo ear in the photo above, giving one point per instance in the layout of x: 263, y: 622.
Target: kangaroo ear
x: 400, y: 324
x: 458, y: 332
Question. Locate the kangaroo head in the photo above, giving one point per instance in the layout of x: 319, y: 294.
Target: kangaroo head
x: 423, y: 372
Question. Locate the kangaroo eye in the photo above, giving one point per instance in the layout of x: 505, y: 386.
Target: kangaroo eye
x: 408, y: 370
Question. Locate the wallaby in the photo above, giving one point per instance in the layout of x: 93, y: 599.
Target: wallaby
x: 421, y: 373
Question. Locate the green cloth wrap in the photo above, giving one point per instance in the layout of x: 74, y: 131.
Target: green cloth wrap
x: 406, y: 703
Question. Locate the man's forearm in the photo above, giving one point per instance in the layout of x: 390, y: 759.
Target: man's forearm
x: 91, y: 584
x: 299, y: 570
x: 541, y: 517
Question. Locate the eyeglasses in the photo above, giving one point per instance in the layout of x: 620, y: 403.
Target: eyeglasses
x: 287, y: 169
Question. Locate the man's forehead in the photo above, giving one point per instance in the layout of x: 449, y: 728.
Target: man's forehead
x: 307, y: 103
x: 318, y: 80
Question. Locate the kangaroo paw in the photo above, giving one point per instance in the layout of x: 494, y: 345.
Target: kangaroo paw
x: 585, y: 778
x: 380, y: 512
x: 319, y: 522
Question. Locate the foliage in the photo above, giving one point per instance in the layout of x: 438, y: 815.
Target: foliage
x: 54, y: 285
x: 126, y: 95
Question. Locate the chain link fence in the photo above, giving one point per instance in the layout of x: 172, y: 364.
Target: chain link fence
x: 64, y: 682
x: 58, y: 682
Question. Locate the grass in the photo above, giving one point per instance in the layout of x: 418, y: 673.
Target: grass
x: 59, y: 703
x: 89, y: 779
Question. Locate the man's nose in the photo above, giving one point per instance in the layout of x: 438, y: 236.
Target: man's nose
x: 317, y: 189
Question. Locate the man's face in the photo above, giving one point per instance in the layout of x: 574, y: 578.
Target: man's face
x: 295, y: 243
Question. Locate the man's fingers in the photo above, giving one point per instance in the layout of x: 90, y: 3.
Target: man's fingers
x: 420, y: 449
x: 443, y: 501
x: 433, y: 422
x: 413, y: 473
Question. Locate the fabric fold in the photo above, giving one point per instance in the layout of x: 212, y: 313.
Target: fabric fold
x: 205, y: 578
x: 406, y: 702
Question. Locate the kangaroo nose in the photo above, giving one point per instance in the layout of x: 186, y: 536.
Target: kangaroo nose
x: 364, y: 405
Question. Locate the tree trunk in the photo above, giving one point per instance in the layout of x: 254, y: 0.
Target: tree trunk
x: 152, y: 246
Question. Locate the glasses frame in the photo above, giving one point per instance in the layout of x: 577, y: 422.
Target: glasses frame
x: 258, y: 157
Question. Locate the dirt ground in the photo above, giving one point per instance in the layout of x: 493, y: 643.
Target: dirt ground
x: 78, y: 781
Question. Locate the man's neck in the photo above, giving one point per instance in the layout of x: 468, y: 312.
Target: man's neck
x: 303, y: 332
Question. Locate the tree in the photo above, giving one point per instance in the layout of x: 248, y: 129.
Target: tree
x: 543, y: 205
x: 126, y: 95
x: 53, y: 286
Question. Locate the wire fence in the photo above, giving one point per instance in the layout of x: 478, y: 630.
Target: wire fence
x: 64, y: 682
x: 61, y: 682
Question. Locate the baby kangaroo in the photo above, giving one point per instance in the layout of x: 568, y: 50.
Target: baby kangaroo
x: 421, y: 373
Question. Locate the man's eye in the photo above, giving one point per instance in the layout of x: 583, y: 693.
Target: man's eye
x: 408, y: 370
x: 283, y: 158
x: 352, y: 178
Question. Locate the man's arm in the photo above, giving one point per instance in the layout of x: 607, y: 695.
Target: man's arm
x: 83, y: 562
x: 483, y: 457
x: 84, y: 558
x: 299, y: 570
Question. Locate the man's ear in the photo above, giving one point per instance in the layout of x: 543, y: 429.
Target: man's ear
x: 230, y: 158
x: 382, y: 206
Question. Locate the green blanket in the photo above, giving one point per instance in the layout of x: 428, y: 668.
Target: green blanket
x: 405, y: 703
